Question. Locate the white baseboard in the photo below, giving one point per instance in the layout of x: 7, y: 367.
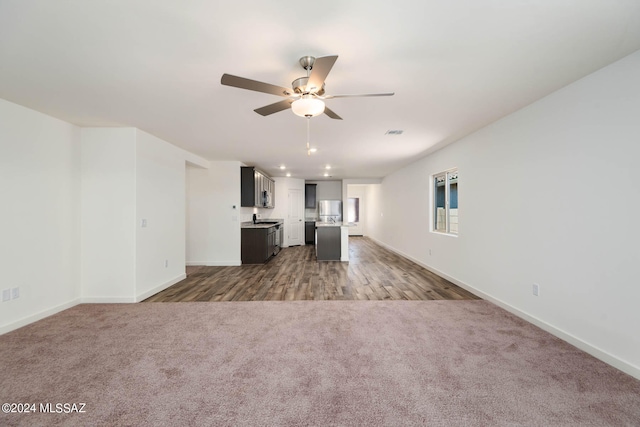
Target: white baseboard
x: 594, y: 351
x: 107, y: 300
x: 215, y: 263
x: 160, y: 288
x: 38, y: 316
x: 128, y: 300
x: 224, y: 263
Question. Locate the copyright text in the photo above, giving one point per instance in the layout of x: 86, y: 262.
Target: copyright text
x: 52, y: 408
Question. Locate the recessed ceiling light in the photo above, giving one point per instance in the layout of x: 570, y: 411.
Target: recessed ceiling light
x: 394, y: 132
x: 288, y: 174
x: 327, y: 167
x: 313, y: 150
x: 283, y: 167
x: 326, y: 174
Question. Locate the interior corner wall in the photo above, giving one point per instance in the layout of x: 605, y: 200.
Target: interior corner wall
x: 108, y: 214
x: 542, y: 197
x: 214, y: 214
x: 160, y: 200
x: 39, y: 214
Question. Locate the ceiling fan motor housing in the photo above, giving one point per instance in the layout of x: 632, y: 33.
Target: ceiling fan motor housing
x: 300, y: 86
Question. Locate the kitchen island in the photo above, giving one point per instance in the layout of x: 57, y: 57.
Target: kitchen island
x: 332, y: 241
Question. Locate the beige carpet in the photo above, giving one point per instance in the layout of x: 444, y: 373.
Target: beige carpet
x: 343, y: 363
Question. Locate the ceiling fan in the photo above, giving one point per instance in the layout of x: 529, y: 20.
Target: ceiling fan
x: 307, y: 95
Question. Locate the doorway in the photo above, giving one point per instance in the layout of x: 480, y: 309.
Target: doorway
x: 295, y: 217
x: 356, y: 209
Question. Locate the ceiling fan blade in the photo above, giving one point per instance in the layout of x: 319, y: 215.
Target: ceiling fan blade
x: 329, y: 112
x: 274, y: 108
x: 357, y: 95
x: 242, y: 83
x: 319, y: 72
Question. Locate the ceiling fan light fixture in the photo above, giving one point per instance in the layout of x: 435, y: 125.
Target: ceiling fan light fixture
x: 307, y: 106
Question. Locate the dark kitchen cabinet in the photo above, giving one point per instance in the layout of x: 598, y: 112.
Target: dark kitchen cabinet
x: 253, y: 186
x: 328, y: 244
x: 310, y: 196
x: 271, y: 242
x: 257, y: 245
x: 310, y: 232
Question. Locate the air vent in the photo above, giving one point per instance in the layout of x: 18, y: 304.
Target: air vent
x: 394, y: 132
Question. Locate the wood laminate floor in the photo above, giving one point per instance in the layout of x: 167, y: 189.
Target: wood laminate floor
x: 372, y: 273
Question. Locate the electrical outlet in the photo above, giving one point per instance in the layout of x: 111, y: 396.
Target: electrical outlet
x: 15, y: 293
x: 143, y: 223
x: 535, y: 288
x: 6, y: 295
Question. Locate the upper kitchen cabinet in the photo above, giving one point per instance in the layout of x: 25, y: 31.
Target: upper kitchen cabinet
x: 310, y: 196
x: 256, y: 188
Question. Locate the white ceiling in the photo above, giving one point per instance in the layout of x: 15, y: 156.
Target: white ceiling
x: 455, y: 67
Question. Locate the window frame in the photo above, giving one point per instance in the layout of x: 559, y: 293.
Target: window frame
x: 447, y: 194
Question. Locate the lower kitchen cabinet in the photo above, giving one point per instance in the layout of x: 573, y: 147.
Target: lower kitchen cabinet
x: 257, y: 245
x: 329, y: 244
x: 310, y: 232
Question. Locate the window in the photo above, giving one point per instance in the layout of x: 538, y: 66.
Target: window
x: 353, y: 209
x: 445, y: 202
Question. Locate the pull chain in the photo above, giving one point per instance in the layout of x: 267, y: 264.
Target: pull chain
x: 308, y: 146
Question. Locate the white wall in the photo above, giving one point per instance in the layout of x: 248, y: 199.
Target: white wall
x: 129, y: 176
x: 213, y: 234
x: 161, y: 200
x: 108, y: 214
x: 539, y: 191
x: 374, y: 211
x: 328, y: 190
x: 39, y: 214
x: 73, y: 200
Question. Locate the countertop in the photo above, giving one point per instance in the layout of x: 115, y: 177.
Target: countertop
x: 250, y: 224
x: 332, y: 224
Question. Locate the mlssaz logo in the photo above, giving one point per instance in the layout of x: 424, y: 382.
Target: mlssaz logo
x: 63, y: 408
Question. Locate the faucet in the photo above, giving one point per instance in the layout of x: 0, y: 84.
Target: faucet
x: 332, y: 220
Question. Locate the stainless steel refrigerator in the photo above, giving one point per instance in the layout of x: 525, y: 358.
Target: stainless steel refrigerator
x: 330, y: 210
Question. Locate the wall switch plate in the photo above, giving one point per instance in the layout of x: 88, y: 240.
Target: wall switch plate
x: 535, y: 288
x: 15, y: 293
x: 6, y: 295
x: 166, y: 263
x: 143, y: 223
